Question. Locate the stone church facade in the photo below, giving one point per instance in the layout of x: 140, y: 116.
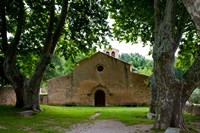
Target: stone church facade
x: 100, y: 80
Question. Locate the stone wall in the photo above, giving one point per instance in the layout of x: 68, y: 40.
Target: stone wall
x: 59, y: 90
x: 115, y: 78
x: 120, y: 85
x: 7, y: 96
x: 141, y: 88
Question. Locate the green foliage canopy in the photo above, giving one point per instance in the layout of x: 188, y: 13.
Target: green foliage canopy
x: 60, y: 66
x: 134, y: 21
x: 86, y: 28
x: 139, y: 62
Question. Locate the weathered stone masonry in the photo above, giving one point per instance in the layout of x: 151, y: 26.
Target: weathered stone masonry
x: 99, y: 80
x: 7, y: 96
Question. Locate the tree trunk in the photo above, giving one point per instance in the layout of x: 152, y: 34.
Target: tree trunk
x: 168, y: 88
x: 170, y: 98
x: 31, y: 96
x: 169, y: 106
x: 27, y: 90
x: 27, y: 97
x: 27, y: 93
x: 169, y: 95
x: 153, y: 89
x: 171, y: 92
x: 19, y: 97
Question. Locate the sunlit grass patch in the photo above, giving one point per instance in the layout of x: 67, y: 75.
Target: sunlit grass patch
x: 59, y: 118
x: 128, y: 115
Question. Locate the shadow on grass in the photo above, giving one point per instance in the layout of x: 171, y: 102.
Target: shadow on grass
x: 59, y: 118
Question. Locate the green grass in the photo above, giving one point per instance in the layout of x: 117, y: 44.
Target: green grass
x: 58, y: 119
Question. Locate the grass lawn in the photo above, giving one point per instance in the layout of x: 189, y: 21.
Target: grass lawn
x: 58, y: 119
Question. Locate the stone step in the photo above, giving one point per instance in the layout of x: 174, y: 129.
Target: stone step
x: 172, y: 130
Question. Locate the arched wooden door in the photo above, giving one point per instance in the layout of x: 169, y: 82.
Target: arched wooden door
x: 100, y: 98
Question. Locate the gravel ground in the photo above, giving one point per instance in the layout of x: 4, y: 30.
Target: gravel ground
x: 109, y: 126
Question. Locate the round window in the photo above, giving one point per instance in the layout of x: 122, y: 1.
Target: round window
x: 100, y: 68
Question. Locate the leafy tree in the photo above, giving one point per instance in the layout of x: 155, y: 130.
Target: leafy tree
x: 162, y: 23
x: 139, y: 63
x: 55, y: 68
x: 59, y: 66
x: 36, y: 29
x: 189, y: 49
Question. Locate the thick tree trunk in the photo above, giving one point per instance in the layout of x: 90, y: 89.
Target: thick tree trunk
x: 169, y: 106
x: 168, y: 88
x: 27, y: 93
x: 27, y: 90
x: 27, y: 98
x: 31, y: 96
x: 169, y: 95
x: 15, y: 78
x: 19, y: 97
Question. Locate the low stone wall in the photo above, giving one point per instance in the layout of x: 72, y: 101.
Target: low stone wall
x: 192, y: 109
x: 7, y: 96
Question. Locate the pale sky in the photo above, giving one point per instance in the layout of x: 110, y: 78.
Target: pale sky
x: 124, y: 47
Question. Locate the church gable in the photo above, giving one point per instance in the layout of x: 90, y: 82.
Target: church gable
x: 99, y: 80
x: 101, y: 55
x: 101, y: 66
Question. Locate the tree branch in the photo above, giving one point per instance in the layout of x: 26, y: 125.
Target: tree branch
x: 169, y: 15
x: 191, y: 79
x: 20, y: 23
x: 48, y: 39
x: 60, y: 24
x: 157, y: 13
x: 181, y: 26
x: 164, y: 29
x: 194, y: 11
x: 10, y: 68
x: 50, y: 45
x: 173, y: 14
x: 46, y: 55
x: 192, y: 76
x: 4, y: 44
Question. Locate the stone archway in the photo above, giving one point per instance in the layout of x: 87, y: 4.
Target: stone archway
x: 99, y: 98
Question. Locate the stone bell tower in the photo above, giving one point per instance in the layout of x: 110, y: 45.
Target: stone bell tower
x: 113, y: 52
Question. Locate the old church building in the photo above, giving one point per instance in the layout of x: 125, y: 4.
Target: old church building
x: 100, y: 80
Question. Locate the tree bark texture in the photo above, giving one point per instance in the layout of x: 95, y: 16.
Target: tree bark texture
x: 193, y: 7
x: 169, y: 89
x: 193, y: 76
x: 171, y: 92
x: 152, y: 108
x: 27, y: 90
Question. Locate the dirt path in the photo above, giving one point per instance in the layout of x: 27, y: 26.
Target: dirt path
x: 109, y: 126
